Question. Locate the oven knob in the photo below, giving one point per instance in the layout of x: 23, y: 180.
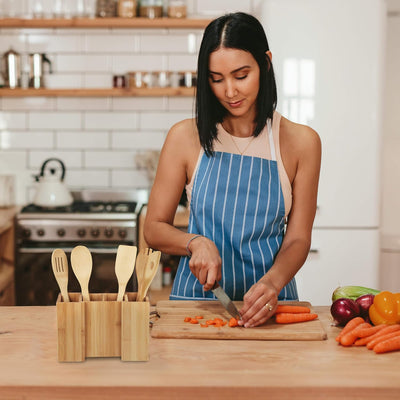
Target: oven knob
x: 61, y: 232
x: 26, y: 233
x: 95, y: 232
x: 108, y: 232
x: 122, y: 233
x: 82, y: 232
x: 40, y: 232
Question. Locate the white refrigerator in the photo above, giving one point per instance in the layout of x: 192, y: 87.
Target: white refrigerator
x: 328, y: 58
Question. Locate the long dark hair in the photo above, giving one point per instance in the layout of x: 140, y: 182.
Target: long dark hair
x: 238, y: 31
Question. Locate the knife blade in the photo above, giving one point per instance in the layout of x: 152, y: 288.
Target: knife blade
x: 226, y: 301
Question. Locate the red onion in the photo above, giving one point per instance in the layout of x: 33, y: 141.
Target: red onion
x: 343, y: 310
x: 365, y: 301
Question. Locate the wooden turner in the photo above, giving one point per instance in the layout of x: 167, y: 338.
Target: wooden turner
x: 124, y: 266
x: 153, y: 260
x: 81, y: 262
x: 59, y: 263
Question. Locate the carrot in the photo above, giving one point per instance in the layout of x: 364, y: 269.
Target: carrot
x: 386, y: 330
x: 199, y: 317
x: 371, y: 345
x: 233, y: 322
x: 204, y: 325
x: 289, y: 318
x: 194, y: 321
x: 363, y: 340
x: 210, y: 322
x: 388, y: 345
x: 350, y: 326
x: 365, y: 332
x: 187, y: 319
x: 291, y: 309
x: 350, y: 337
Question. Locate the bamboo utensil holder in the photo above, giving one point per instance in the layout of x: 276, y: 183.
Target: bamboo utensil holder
x: 103, y: 327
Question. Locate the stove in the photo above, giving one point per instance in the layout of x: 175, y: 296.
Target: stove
x: 100, y: 221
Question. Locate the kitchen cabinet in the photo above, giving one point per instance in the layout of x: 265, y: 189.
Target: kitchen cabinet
x: 7, y: 286
x: 114, y: 23
x: 327, y: 79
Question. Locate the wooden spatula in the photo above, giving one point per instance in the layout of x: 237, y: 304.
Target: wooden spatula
x: 124, y: 266
x: 81, y: 262
x: 59, y: 263
x: 153, y: 261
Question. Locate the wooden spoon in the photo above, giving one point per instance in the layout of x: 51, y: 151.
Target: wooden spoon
x: 153, y: 261
x: 141, y: 262
x: 124, y: 266
x: 59, y: 263
x: 81, y: 261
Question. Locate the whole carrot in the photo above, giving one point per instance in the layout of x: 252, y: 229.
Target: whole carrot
x: 371, y: 345
x: 386, y: 330
x: 388, y: 345
x: 289, y: 318
x: 291, y: 309
x: 365, y: 332
x: 350, y: 326
x: 350, y: 337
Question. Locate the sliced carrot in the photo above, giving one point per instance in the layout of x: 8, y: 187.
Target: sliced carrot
x: 386, y: 330
x: 350, y: 337
x: 391, y: 344
x: 291, y: 309
x: 371, y: 345
x: 187, y: 319
x: 204, y: 325
x: 350, y: 326
x: 199, y: 317
x: 289, y: 318
x: 210, y: 322
x: 218, y: 320
x: 233, y: 322
x: 194, y: 321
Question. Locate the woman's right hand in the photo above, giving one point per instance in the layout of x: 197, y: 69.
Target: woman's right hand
x: 205, y: 262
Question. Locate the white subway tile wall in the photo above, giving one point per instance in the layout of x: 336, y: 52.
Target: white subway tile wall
x: 97, y: 138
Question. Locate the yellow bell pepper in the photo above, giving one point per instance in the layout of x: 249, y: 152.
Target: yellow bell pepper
x: 385, y: 308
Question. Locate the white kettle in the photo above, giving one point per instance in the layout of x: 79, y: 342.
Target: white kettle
x: 51, y: 191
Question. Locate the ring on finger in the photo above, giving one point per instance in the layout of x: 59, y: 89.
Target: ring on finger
x: 268, y: 307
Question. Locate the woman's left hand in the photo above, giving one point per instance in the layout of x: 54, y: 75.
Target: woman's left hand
x: 259, y: 304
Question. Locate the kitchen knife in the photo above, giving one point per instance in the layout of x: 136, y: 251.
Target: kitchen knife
x: 225, y: 301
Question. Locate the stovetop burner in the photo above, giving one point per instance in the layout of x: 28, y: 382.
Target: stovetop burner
x: 85, y: 207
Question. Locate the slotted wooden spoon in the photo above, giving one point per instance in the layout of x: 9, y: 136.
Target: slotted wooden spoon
x: 124, y: 266
x: 153, y: 260
x: 81, y: 262
x: 141, y: 261
x: 59, y: 264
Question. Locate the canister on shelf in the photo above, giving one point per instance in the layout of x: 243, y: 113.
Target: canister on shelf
x: 136, y: 79
x: 119, y: 81
x: 177, y: 9
x: 162, y: 78
x: 187, y: 79
x: 151, y: 8
x: 106, y: 8
x: 127, y: 8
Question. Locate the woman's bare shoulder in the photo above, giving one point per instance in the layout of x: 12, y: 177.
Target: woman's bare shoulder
x: 184, y: 132
x: 300, y: 138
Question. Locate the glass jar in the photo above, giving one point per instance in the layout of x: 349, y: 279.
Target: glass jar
x: 127, y: 8
x: 106, y: 8
x: 177, y: 9
x: 151, y: 8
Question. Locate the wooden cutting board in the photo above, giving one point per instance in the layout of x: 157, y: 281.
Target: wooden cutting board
x: 170, y: 323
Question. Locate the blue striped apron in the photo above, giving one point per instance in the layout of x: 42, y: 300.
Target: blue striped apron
x: 237, y: 202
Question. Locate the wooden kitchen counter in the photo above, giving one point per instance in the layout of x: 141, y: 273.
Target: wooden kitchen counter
x: 190, y: 368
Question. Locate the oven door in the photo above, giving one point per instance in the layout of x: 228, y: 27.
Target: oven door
x: 35, y: 282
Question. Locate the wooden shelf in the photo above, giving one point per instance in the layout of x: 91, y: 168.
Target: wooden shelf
x: 99, y: 92
x: 145, y: 23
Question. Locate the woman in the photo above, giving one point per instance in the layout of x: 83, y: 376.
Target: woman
x: 248, y: 172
